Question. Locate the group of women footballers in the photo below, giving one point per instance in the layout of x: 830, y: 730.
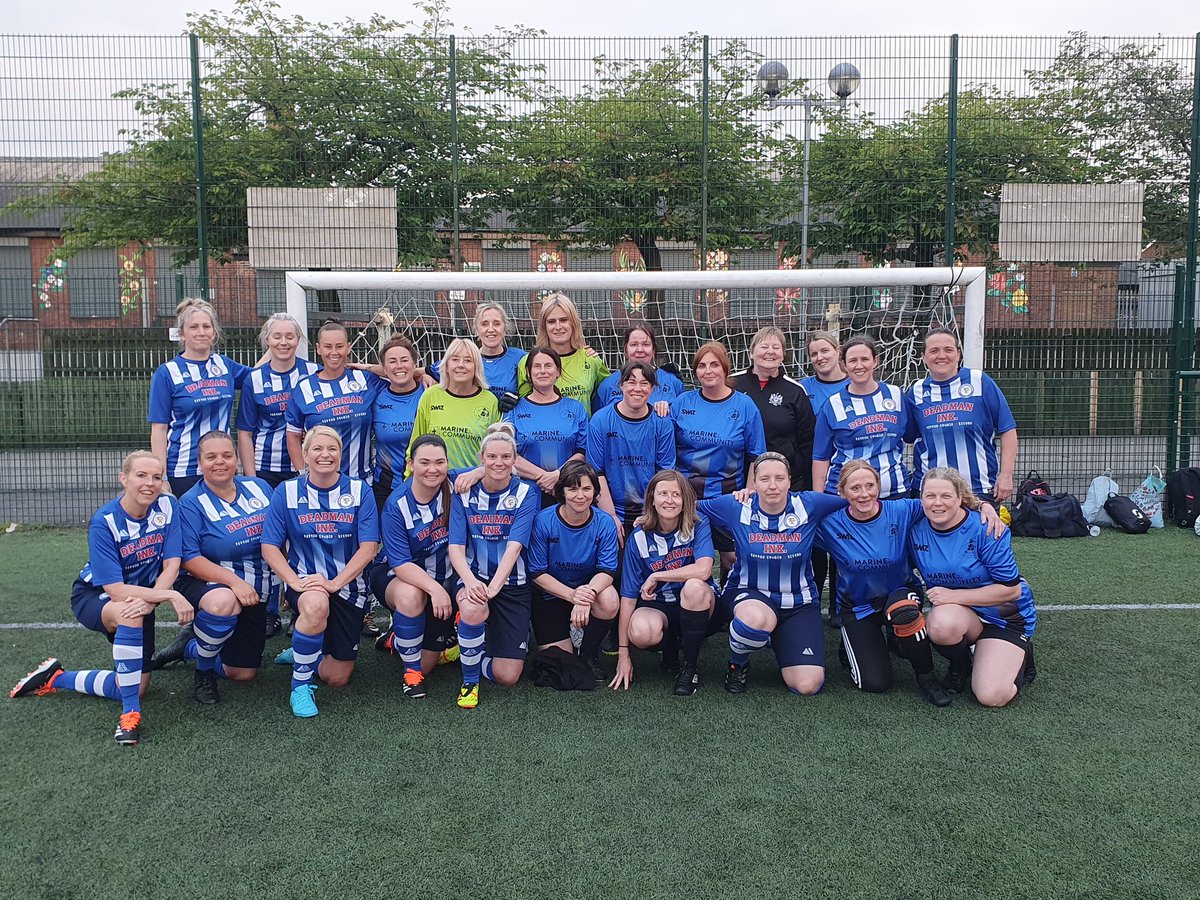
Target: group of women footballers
x: 540, y: 489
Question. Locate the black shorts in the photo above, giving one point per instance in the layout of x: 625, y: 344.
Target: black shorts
x: 799, y: 635
x: 87, y: 603
x: 244, y: 647
x: 343, y: 628
x: 439, y: 633
x: 718, y: 621
x: 181, y: 484
x: 507, y: 630
x: 551, y: 617
x: 995, y: 632
x: 275, y: 479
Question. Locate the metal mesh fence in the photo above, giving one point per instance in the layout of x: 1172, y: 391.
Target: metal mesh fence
x: 1066, y: 165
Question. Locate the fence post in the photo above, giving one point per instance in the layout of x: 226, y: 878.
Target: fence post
x: 456, y: 239
x: 1177, y: 353
x: 201, y: 185
x: 951, y: 148
x: 704, y: 159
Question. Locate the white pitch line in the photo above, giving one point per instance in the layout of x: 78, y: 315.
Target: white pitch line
x: 1054, y: 607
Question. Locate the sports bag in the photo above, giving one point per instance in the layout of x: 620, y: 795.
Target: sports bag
x: 1054, y: 516
x: 1098, y: 491
x: 1033, y: 484
x: 1148, y: 497
x: 1183, y: 497
x: 1128, y: 516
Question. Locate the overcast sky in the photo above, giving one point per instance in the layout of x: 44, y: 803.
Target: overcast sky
x: 661, y: 17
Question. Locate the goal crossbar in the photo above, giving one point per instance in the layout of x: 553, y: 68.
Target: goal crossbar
x: 971, y: 280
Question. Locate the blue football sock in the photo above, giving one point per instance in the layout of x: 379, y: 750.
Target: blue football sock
x: 408, y: 635
x: 306, y: 652
x: 744, y: 640
x: 211, y: 632
x: 127, y: 659
x: 470, y: 648
x: 95, y: 682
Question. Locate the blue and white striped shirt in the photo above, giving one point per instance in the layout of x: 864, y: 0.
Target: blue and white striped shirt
x: 229, y: 533
x: 323, y: 528
x: 123, y: 549
x: 413, y: 532
x: 873, y: 427
x: 484, y: 523
x: 193, y: 398
x: 262, y: 409
x: 344, y: 404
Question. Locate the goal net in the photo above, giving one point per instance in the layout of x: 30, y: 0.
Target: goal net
x: 895, y: 306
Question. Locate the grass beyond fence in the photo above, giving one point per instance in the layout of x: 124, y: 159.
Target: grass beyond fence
x: 1081, y: 789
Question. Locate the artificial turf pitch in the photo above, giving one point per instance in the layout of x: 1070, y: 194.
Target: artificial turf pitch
x: 1086, y: 787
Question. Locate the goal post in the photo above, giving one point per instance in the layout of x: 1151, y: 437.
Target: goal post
x: 393, y: 287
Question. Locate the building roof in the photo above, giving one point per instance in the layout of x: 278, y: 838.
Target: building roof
x: 22, y: 176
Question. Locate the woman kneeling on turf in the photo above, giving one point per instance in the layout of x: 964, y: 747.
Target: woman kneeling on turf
x: 414, y: 582
x: 979, y: 597
x: 224, y: 576
x: 573, y: 562
x: 133, y: 559
x: 329, y: 523
x: 667, y: 591
x: 490, y: 527
x: 770, y: 589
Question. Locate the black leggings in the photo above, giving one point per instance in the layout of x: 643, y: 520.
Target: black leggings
x: 870, y: 659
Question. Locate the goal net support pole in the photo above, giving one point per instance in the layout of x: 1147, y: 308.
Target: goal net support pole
x: 972, y: 280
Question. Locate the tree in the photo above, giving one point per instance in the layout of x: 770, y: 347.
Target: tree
x: 1128, y: 109
x: 880, y: 190
x: 292, y: 103
x: 623, y: 159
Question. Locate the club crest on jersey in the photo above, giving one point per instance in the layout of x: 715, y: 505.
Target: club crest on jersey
x: 345, y: 500
x: 733, y: 415
x: 255, y: 503
x: 889, y: 404
x: 966, y: 390
x: 791, y: 520
x: 509, y: 502
x: 158, y: 519
x: 775, y: 399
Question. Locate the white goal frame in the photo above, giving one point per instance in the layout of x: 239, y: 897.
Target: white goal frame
x: 972, y: 280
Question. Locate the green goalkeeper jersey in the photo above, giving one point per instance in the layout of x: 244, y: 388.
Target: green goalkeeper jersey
x: 581, y: 375
x: 459, y: 421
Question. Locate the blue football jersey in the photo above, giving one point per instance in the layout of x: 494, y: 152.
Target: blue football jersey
x: 261, y: 412
x: 416, y: 532
x: 229, y: 533
x: 968, y: 557
x: 484, y: 523
x: 346, y: 405
x: 500, y: 371
x: 819, y: 391
x: 193, y: 398
x: 957, y: 422
x: 323, y: 528
x: 653, y: 551
x: 548, y: 434
x: 572, y: 554
x: 774, y: 552
x: 629, y: 452
x: 667, y: 387
x: 392, y: 422
x: 715, y: 440
x: 871, y: 556
x: 873, y: 427
x: 123, y: 549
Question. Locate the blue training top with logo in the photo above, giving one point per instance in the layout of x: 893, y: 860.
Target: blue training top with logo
x: 774, y: 552
x: 629, y: 452
x: 548, y: 434
x: 193, y: 398
x: 667, y: 387
x: 415, y: 532
x: 392, y: 421
x: 654, y: 551
x: 968, y: 557
x: 820, y: 391
x: 716, y: 439
x: 229, y: 533
x: 484, y: 522
x: 123, y: 549
x: 574, y: 554
x: 500, y: 371
x: 346, y: 405
x: 871, y: 556
x: 261, y: 412
x: 323, y: 528
x: 957, y: 422
x: 873, y: 427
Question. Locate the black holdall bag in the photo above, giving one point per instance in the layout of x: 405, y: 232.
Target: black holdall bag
x: 1052, y: 516
x: 1183, y: 497
x: 1127, y: 515
x: 1033, y: 484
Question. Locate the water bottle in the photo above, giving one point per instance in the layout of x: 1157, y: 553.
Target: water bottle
x: 1094, y: 530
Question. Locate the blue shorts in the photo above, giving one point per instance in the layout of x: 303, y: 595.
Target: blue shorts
x: 87, y: 603
x: 507, y: 634
x: 439, y: 633
x: 244, y: 647
x: 799, y: 635
x: 343, y: 627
